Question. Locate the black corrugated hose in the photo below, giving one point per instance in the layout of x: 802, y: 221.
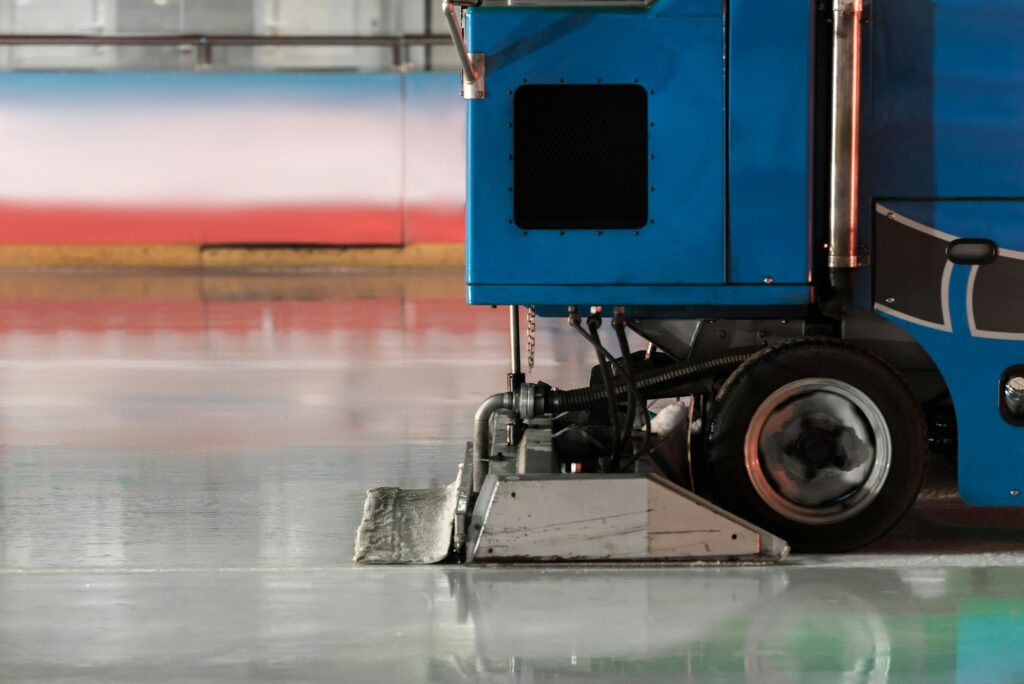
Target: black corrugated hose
x: 649, y: 381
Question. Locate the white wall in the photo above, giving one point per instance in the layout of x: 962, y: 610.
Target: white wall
x: 353, y: 17
x: 56, y: 16
x: 260, y: 17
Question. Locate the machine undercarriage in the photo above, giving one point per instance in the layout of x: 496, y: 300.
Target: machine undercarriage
x: 789, y: 433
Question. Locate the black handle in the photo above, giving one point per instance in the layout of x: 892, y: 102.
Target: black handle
x: 972, y: 251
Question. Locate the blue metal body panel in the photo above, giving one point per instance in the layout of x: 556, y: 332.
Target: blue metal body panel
x: 769, y: 71
x: 944, y: 120
x: 676, y: 49
x: 944, y: 100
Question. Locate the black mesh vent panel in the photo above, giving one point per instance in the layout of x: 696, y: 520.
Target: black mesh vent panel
x: 580, y: 157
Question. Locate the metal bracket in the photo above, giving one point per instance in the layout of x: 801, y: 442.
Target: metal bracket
x: 475, y: 87
x: 473, y: 63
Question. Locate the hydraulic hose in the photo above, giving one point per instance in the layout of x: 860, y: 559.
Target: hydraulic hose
x: 637, y: 401
x: 606, y: 376
x: 626, y: 364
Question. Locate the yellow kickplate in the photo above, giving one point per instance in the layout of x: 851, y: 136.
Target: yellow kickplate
x: 409, y: 256
x: 194, y: 256
x: 99, y: 256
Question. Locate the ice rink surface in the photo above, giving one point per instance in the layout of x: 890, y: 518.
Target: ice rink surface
x: 183, y: 460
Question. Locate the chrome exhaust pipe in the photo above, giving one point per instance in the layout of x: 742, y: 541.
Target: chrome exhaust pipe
x: 844, y: 248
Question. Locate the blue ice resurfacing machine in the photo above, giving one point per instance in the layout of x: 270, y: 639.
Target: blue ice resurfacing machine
x: 814, y: 215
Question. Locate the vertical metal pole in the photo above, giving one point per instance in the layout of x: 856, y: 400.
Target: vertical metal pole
x: 516, y: 378
x: 397, y: 54
x: 204, y: 53
x: 428, y: 30
x: 513, y: 321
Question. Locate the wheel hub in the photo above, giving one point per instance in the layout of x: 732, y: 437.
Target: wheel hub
x: 818, y: 450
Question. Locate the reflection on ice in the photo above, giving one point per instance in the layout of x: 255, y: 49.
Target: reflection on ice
x: 751, y: 624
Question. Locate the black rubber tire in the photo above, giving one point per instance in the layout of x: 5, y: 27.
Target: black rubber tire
x: 739, y: 398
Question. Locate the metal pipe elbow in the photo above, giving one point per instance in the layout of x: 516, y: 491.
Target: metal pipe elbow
x: 482, y: 433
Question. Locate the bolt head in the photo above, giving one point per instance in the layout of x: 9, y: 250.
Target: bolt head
x: 1014, y: 492
x: 890, y: 300
x: 769, y: 280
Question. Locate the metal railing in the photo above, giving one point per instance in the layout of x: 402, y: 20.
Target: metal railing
x: 204, y: 44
